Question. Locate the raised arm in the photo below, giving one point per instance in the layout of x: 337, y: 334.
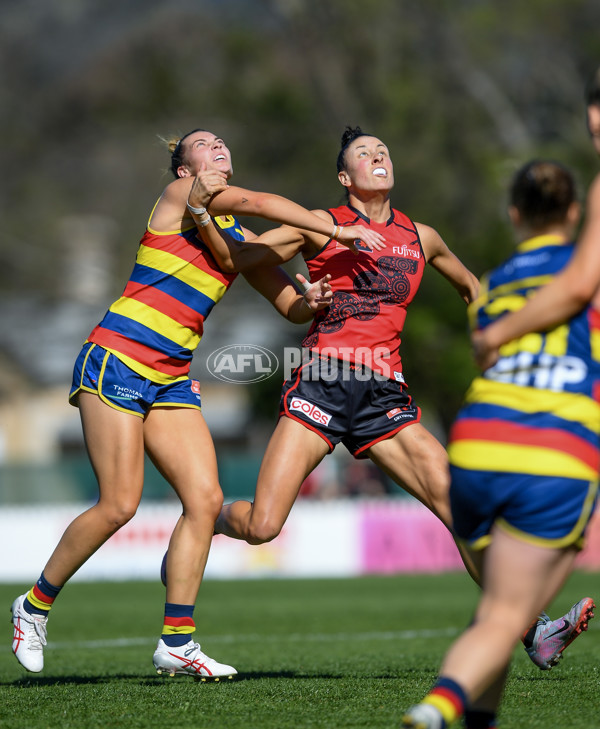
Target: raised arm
x: 443, y: 260
x: 270, y: 249
x: 559, y: 300
x: 238, y: 201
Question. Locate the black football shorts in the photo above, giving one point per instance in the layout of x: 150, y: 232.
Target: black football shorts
x: 347, y: 404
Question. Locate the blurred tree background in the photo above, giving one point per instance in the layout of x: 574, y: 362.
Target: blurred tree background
x: 462, y: 91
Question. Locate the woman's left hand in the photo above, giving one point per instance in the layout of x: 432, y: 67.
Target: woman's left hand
x: 351, y: 233
x: 317, y: 295
x: 484, y: 354
x: 206, y: 184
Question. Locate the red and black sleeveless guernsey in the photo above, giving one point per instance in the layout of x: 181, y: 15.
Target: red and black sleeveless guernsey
x: 158, y: 322
x: 371, y: 292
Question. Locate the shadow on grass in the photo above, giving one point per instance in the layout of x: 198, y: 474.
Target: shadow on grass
x: 145, y: 680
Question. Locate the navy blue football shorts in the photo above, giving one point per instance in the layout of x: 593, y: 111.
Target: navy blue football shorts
x: 547, y: 511
x: 347, y: 404
x: 102, y: 373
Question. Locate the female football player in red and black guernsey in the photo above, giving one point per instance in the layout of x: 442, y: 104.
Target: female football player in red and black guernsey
x: 351, y: 388
x: 524, y: 456
x: 131, y: 383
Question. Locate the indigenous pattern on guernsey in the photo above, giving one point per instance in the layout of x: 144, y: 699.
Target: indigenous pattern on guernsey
x: 158, y: 322
x: 371, y: 292
x: 537, y: 410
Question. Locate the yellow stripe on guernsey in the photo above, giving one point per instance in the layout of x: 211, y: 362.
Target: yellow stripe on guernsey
x: 502, y: 299
x: 158, y: 322
x: 509, y: 300
x: 541, y: 241
x: 553, y: 342
x: 485, y: 455
x: 174, y: 266
x: 595, y: 344
x: 154, y: 319
x: 532, y: 282
x: 571, y: 406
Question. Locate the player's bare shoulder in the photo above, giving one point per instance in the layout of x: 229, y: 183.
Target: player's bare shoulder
x: 431, y: 241
x: 170, y: 210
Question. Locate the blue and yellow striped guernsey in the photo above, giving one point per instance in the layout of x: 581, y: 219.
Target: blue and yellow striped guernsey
x: 158, y: 322
x: 537, y: 410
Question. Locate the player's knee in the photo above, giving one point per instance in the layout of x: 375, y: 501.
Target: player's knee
x: 261, y: 531
x: 213, y: 503
x: 118, y: 514
x: 201, y: 500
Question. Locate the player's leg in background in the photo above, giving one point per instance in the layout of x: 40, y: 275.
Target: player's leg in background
x: 292, y: 453
x: 418, y: 463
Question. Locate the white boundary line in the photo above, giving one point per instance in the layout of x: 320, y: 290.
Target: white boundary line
x: 400, y: 635
x: 257, y: 638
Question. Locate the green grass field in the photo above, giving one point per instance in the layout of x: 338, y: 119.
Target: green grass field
x: 311, y: 654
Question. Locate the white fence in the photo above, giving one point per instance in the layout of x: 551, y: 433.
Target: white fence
x: 320, y: 539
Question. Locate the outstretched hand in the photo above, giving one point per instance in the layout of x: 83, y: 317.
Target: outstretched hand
x: 317, y: 295
x: 351, y: 233
x: 206, y: 184
x: 484, y: 355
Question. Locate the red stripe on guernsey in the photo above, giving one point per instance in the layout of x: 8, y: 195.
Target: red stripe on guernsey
x: 503, y: 432
x: 165, y: 304
x: 180, y: 247
x: 138, y: 352
x: 594, y: 318
x: 41, y: 596
x: 449, y: 696
x: 180, y: 622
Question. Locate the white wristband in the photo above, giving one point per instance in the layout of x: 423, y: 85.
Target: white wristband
x: 203, y: 223
x: 196, y: 211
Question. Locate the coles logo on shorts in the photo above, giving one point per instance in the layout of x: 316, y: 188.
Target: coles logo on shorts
x: 311, y: 411
x: 195, y: 386
x: 392, y: 412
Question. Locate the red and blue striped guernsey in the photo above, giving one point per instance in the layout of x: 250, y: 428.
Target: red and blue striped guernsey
x: 537, y: 410
x: 158, y: 322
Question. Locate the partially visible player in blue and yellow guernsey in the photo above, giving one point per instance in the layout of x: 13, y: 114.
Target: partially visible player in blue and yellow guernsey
x: 524, y: 456
x: 527, y: 435
x: 132, y: 386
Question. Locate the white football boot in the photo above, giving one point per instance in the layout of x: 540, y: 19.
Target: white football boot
x: 190, y: 660
x: 422, y: 716
x: 29, y: 637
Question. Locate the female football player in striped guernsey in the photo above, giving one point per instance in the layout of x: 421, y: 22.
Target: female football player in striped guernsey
x: 524, y: 457
x: 132, y: 386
